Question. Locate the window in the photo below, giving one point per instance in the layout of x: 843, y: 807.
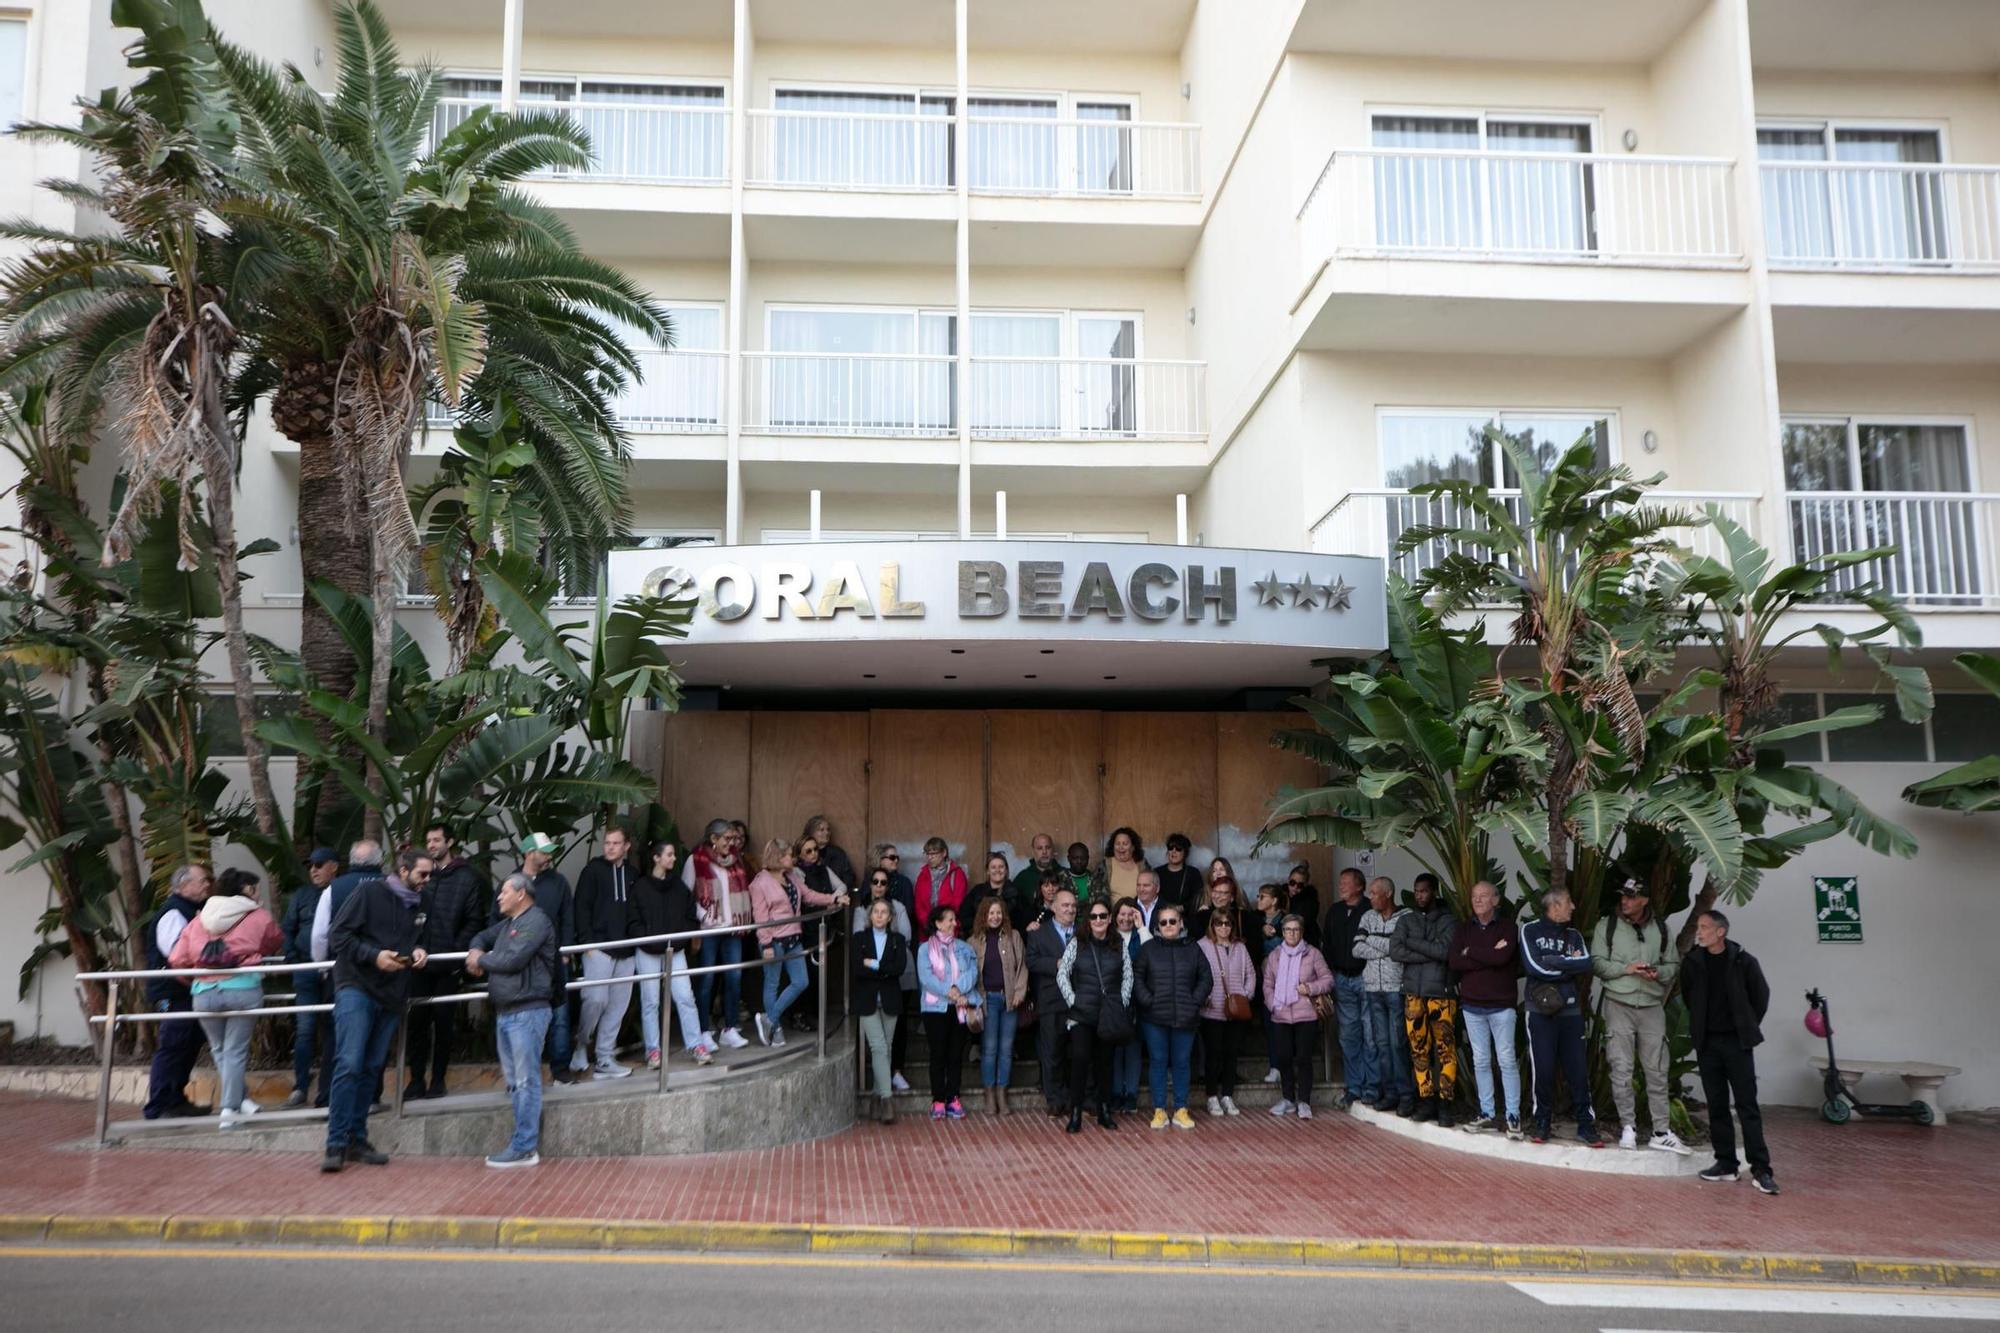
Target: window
x: 13, y: 69
x: 1865, y: 205
x: 875, y: 139
x: 1794, y: 708
x: 682, y: 387
x: 1966, y: 727
x: 1963, y: 727
x: 1458, y: 190
x: 639, y: 130
x: 1854, y: 484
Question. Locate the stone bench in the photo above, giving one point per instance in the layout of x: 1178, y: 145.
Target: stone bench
x: 1922, y: 1078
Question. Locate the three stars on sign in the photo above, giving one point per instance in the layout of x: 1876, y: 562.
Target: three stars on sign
x: 1306, y: 595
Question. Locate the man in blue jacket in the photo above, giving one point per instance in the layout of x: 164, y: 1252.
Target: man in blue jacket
x: 1554, y: 955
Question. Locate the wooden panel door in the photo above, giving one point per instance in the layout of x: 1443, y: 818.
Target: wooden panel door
x: 927, y: 776
x: 1041, y: 777
x: 1159, y: 778
x: 1249, y: 772
x: 805, y: 764
x: 704, y: 769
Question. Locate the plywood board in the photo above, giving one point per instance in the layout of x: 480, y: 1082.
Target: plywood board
x: 1249, y: 772
x: 1159, y: 778
x: 1042, y: 778
x: 704, y: 768
x: 803, y: 764
x: 927, y: 776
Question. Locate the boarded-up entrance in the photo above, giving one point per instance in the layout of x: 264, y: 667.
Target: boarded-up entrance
x: 983, y: 779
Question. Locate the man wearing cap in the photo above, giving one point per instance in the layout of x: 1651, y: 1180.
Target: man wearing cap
x: 1632, y: 955
x: 308, y: 1031
x: 552, y: 895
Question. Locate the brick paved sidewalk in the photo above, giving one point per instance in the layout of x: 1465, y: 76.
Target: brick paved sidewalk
x: 1889, y: 1189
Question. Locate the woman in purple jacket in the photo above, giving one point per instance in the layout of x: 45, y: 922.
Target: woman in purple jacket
x: 1233, y: 973
x: 1294, y: 972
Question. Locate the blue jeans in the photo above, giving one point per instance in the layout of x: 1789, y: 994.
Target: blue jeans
x: 1358, y: 1071
x: 1391, y: 1047
x: 361, y: 1032
x: 717, y: 949
x: 1490, y: 1031
x: 519, y: 1034
x: 996, y: 1042
x: 1125, y: 1072
x: 561, y: 1039
x: 1168, y: 1051
x: 791, y: 960
x: 308, y: 1031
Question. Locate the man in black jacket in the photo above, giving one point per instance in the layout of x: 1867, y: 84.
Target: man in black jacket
x: 1046, y: 942
x: 1727, y: 998
x: 454, y: 908
x: 1361, y: 1081
x: 309, y: 1033
x: 603, y: 900
x: 374, y: 945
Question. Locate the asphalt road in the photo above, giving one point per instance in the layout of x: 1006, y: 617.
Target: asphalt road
x: 98, y: 1287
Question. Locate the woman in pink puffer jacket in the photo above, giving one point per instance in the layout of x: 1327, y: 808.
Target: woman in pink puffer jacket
x: 1294, y: 972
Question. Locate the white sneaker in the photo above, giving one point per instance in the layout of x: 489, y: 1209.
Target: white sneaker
x: 1272, y: 1076
x: 1628, y: 1139
x: 248, y: 1108
x: 1215, y: 1106
x: 1668, y: 1141
x: 1229, y: 1106
x: 1283, y: 1107
x: 764, y: 1030
x: 899, y: 1083
x: 1305, y: 1112
x: 733, y: 1039
x: 228, y: 1119
x: 611, y: 1069
x: 578, y: 1062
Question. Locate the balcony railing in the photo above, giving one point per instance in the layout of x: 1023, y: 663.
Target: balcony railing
x: 682, y: 393
x: 841, y: 150
x: 1539, y: 207
x: 1882, y: 215
x: 1371, y: 522
x: 1091, y: 159
x: 1047, y: 398
x: 629, y: 141
x: 1945, y: 544
x: 1013, y: 398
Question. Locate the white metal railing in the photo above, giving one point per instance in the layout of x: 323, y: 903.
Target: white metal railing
x: 629, y: 141
x: 841, y: 150
x: 837, y: 393
x: 1372, y: 522
x: 1561, y: 207
x: 1881, y: 215
x: 681, y: 393
x: 1052, y: 398
x: 1084, y: 158
x: 1945, y: 544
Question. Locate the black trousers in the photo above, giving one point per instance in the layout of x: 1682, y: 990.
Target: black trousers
x: 1089, y: 1067
x: 174, y: 1054
x: 1292, y: 1046
x: 433, y: 1027
x: 1219, y: 1041
x: 899, y: 1045
x: 1052, y: 1054
x: 1555, y: 1042
x: 1729, y: 1077
x: 946, y: 1036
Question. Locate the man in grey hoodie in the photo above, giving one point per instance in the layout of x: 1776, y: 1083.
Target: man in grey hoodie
x: 517, y: 956
x: 1382, y: 983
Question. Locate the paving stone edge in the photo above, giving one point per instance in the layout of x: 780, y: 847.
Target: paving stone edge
x: 1153, y: 1247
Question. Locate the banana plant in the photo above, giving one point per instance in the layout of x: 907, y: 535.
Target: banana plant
x: 1971, y: 787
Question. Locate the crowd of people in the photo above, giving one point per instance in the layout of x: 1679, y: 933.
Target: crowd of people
x: 1106, y: 968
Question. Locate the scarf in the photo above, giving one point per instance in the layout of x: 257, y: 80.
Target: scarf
x: 944, y: 960
x: 705, y: 867
x: 407, y: 896
x: 1291, y: 962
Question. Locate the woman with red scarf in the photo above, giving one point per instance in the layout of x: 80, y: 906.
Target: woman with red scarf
x: 721, y: 888
x: 939, y: 884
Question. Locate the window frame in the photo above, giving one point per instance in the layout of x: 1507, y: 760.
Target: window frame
x: 1614, y: 442
x: 1821, y: 739
x: 1854, y: 421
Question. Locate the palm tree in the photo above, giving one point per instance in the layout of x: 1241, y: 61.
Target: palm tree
x: 401, y: 269
x: 141, y: 311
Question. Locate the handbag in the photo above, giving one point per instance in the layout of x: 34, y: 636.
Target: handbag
x: 1323, y: 1008
x: 1114, y: 1020
x: 1546, y: 998
x: 1235, y: 1008
x: 973, y: 1016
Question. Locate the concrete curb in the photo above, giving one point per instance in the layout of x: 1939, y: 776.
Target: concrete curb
x: 1110, y: 1246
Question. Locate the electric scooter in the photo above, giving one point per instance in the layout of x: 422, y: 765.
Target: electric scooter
x: 1840, y: 1105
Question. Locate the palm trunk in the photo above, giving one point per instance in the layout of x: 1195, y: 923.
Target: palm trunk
x: 383, y: 622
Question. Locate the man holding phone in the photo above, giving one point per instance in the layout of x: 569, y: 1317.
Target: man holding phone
x: 373, y: 944
x: 1632, y: 955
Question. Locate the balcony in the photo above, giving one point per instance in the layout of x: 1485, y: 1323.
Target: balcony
x: 1415, y: 249
x: 635, y: 142
x: 1897, y: 217
x: 1945, y: 544
x: 682, y: 393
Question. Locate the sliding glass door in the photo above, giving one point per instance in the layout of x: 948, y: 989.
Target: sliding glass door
x: 1468, y: 183
x: 1858, y: 485
x: 1872, y: 203
x: 859, y: 372
x: 861, y: 138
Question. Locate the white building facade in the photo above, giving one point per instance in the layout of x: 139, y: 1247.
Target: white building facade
x: 1238, y: 274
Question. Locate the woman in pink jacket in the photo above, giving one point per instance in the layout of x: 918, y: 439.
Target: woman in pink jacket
x: 1294, y: 972
x: 780, y: 891
x: 1232, y: 974
x: 232, y: 930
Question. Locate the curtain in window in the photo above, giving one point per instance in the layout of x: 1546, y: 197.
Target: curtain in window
x: 13, y: 68
x: 1008, y: 156
x: 1017, y: 397
x: 1888, y: 214
x: 1108, y: 398
x: 681, y: 389
x: 845, y: 387
x: 869, y: 139
x: 1104, y: 153
x: 1798, y: 207
x: 1548, y: 438
x: 635, y: 135
x: 1428, y: 203
x: 1540, y: 206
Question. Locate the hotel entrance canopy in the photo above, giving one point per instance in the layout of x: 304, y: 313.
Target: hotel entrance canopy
x: 966, y: 616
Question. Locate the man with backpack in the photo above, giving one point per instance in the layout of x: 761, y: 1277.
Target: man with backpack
x: 1633, y: 958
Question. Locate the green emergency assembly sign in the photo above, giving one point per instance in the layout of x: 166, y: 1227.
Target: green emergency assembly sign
x: 1837, y: 908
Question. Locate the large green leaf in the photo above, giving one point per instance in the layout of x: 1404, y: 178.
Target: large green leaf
x: 1859, y: 715
x: 488, y: 756
x: 1703, y: 822
x: 518, y: 590
x: 1969, y: 787
x: 1596, y: 817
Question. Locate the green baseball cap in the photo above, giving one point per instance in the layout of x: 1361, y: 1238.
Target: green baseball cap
x: 538, y: 842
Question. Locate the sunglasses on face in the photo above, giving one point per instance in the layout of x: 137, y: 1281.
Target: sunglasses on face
x: 879, y: 879
x: 891, y: 856
x: 1100, y: 916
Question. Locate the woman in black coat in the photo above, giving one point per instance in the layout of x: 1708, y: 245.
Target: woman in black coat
x: 1170, y: 983
x: 880, y: 954
x: 1095, y: 975
x: 662, y: 904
